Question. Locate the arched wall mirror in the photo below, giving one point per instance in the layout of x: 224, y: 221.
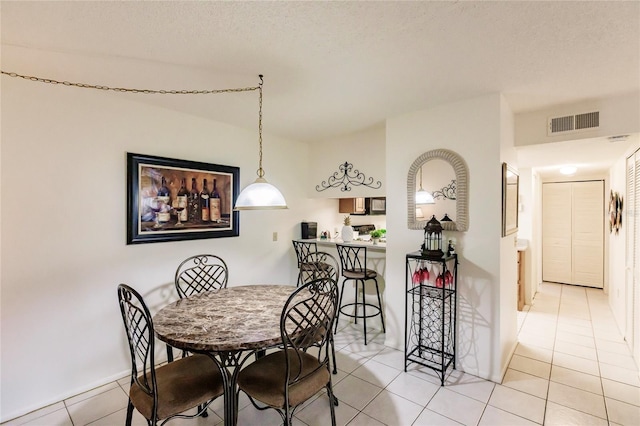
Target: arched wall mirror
x: 439, y: 179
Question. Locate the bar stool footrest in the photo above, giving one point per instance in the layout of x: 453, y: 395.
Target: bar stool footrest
x: 376, y: 308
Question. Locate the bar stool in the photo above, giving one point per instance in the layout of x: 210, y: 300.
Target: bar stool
x: 303, y: 250
x: 353, y: 260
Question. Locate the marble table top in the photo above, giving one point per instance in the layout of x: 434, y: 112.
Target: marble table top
x: 229, y: 319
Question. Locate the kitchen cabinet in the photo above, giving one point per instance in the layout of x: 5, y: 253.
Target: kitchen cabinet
x: 352, y: 205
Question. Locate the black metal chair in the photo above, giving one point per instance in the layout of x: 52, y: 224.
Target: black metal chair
x: 163, y: 393
x: 303, y: 249
x: 197, y: 274
x: 321, y: 265
x: 203, y: 272
x: 353, y: 260
x: 285, y: 379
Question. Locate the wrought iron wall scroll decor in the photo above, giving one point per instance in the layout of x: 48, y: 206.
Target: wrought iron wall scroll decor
x: 446, y: 193
x: 345, y: 176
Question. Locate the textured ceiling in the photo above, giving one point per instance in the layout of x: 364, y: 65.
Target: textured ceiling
x: 332, y: 68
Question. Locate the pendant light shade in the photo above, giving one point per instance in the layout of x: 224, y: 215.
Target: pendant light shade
x: 260, y: 195
x: 422, y: 196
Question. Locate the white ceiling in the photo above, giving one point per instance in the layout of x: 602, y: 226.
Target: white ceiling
x: 332, y: 68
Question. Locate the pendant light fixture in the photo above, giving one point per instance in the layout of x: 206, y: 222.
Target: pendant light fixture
x: 260, y: 195
x: 422, y: 196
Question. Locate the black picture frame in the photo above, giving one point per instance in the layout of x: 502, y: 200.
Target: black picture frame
x: 510, y: 194
x: 147, y: 214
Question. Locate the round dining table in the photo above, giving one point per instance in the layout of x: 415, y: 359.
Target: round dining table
x: 229, y: 325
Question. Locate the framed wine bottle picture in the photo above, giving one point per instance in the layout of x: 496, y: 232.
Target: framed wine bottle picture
x: 172, y: 200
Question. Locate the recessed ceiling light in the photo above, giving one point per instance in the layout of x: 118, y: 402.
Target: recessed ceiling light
x: 568, y: 170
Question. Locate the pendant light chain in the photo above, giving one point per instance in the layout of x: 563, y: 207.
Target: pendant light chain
x: 251, y: 198
x: 137, y: 91
x: 260, y: 170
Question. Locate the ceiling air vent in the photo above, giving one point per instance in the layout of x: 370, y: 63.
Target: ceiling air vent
x: 570, y: 123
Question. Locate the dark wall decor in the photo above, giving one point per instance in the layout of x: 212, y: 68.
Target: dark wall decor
x: 345, y: 176
x: 446, y: 192
x: 167, y: 199
x: 615, y: 212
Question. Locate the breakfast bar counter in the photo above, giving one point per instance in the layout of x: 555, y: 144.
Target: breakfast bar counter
x: 380, y: 247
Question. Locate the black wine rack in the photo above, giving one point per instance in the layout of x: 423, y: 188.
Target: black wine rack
x: 430, y: 312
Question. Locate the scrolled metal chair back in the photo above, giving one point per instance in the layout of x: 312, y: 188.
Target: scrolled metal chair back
x: 352, y: 258
x: 306, y: 321
x: 200, y: 273
x: 319, y: 264
x: 304, y: 249
x: 140, y: 334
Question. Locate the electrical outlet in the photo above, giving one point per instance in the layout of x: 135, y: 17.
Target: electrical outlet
x: 275, y: 236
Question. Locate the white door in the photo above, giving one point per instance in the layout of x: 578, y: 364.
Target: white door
x: 556, y: 232
x: 573, y: 233
x: 587, y: 260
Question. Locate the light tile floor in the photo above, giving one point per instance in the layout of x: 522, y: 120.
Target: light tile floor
x: 571, y: 366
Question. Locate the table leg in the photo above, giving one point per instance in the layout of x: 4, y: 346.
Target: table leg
x: 229, y: 368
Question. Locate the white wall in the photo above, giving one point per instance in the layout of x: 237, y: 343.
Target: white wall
x: 618, y: 297
x: 508, y: 330
x: 364, y: 149
x: 528, y: 218
x: 472, y: 129
x: 64, y: 225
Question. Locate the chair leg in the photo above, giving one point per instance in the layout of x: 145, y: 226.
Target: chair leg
x: 333, y: 402
x: 364, y: 312
x: 339, y: 307
x: 356, y: 304
x: 169, y: 354
x: 333, y: 354
x: 129, y: 414
x: 380, y: 306
x: 288, y: 420
x: 205, y: 413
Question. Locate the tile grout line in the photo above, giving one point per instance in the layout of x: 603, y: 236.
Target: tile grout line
x: 553, y: 351
x: 604, y: 399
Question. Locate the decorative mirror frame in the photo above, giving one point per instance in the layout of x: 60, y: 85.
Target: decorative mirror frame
x: 462, y: 181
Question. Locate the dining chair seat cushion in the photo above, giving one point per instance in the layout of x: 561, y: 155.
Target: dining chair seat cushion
x: 359, y: 273
x: 314, y: 266
x: 264, y: 380
x: 182, y: 385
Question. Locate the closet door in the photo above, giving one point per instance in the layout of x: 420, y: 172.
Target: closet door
x: 587, y: 240
x: 573, y: 233
x: 556, y: 232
